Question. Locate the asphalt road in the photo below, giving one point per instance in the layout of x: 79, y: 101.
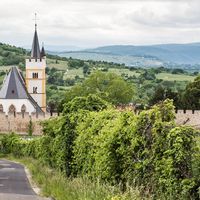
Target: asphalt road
x: 14, y: 184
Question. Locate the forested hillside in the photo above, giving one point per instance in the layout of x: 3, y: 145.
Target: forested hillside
x: 11, y: 55
x: 169, y: 55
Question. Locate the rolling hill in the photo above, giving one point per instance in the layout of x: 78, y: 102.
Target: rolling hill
x: 153, y: 55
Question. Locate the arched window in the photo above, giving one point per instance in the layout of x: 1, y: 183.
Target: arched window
x: 1, y: 108
x: 12, y: 110
x: 23, y: 110
x: 34, y: 75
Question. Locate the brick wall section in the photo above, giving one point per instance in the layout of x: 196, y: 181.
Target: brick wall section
x: 19, y: 123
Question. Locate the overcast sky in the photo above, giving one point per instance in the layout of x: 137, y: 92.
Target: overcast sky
x: 90, y: 23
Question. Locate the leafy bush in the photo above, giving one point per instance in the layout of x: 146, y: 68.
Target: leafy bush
x: 91, y: 138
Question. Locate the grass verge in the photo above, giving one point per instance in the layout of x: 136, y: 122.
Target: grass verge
x: 56, y: 185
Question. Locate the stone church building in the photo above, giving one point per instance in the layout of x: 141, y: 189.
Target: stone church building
x: 26, y: 95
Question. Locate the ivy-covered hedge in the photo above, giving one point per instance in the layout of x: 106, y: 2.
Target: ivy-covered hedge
x: 93, y: 138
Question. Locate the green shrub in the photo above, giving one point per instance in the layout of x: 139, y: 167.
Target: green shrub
x: 30, y: 128
x: 95, y: 140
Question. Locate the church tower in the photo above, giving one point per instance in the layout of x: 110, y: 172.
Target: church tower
x: 35, y: 73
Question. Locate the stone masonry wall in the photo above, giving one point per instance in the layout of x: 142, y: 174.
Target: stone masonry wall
x: 19, y: 122
x: 183, y: 117
x: 188, y: 117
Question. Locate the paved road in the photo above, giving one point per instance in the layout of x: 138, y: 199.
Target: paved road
x: 14, y: 184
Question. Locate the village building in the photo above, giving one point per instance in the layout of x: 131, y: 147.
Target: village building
x: 26, y: 95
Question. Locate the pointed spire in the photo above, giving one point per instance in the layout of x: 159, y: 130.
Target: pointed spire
x: 35, y: 52
x: 42, y: 53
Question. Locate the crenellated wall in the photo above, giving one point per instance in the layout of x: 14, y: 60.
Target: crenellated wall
x: 183, y: 117
x: 188, y: 117
x: 19, y: 122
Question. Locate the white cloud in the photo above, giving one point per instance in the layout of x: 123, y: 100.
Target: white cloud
x: 95, y: 23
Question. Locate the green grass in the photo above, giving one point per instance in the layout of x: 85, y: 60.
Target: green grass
x: 174, y: 77
x: 64, y: 87
x: 5, y: 68
x: 124, y: 71
x: 71, y: 73
x: 55, y: 184
x: 1, y: 79
x: 61, y: 65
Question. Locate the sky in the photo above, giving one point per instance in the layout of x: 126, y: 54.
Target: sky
x: 92, y: 23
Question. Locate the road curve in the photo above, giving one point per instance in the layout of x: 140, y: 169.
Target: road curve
x: 14, y: 184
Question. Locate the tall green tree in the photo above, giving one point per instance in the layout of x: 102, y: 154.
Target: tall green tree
x: 191, y: 96
x: 108, y: 86
x: 162, y: 94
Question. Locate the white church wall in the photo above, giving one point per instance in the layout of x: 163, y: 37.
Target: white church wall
x: 6, y: 103
x: 34, y: 83
x: 36, y: 66
x: 37, y: 98
x: 33, y: 64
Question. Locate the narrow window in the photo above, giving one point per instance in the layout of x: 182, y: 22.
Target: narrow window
x: 34, y: 90
x: 34, y: 75
x: 12, y: 110
x: 23, y: 110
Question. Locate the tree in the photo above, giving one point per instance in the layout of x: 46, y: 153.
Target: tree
x: 108, y: 86
x: 178, y: 71
x: 191, y: 96
x: 55, y: 77
x: 89, y: 103
x: 30, y: 128
x: 157, y: 96
x: 161, y: 94
x: 147, y: 75
x: 75, y: 63
x: 86, y: 69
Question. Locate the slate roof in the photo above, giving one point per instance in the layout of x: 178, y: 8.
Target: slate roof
x: 14, y: 88
x: 42, y: 53
x: 35, y: 52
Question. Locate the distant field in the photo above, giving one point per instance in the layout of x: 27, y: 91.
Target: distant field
x: 128, y: 60
x: 74, y: 72
x: 64, y: 87
x: 124, y: 71
x: 5, y: 68
x: 62, y: 65
x: 175, y: 77
x: 79, y: 72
